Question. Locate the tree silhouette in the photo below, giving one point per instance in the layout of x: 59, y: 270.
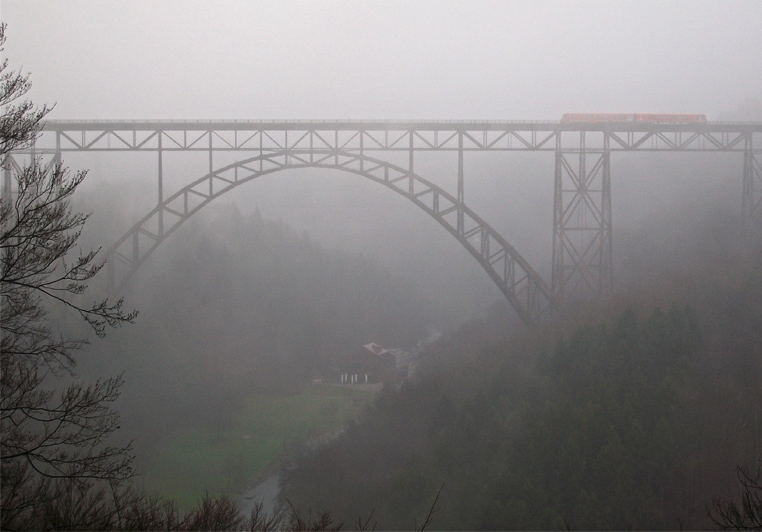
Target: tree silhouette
x: 730, y: 515
x: 53, y: 427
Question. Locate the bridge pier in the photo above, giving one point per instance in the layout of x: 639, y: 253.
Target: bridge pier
x: 751, y: 205
x: 461, y: 187
x: 582, y: 231
x: 160, y: 183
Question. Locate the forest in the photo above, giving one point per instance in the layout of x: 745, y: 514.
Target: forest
x: 631, y: 413
x: 238, y: 306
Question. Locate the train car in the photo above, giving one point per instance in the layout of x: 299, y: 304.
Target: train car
x: 669, y: 118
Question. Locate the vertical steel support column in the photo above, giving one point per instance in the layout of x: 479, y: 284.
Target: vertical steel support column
x: 261, y: 150
x: 54, y: 162
x: 751, y: 205
x: 57, y: 158
x: 557, y: 274
x: 312, y: 146
x: 410, y: 165
x: 161, y: 188
x: 362, y: 150
x: 461, y: 225
x: 582, y: 232
x: 606, y: 280
x: 211, y: 164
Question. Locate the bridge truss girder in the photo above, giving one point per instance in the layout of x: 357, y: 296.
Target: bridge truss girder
x: 751, y: 205
x: 387, y: 136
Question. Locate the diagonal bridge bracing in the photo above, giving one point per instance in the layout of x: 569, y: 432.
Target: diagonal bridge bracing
x: 582, y: 227
x: 523, y: 287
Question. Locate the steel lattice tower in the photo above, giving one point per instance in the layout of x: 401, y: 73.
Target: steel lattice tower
x: 582, y: 230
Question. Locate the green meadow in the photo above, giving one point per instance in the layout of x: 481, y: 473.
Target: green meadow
x: 200, y: 459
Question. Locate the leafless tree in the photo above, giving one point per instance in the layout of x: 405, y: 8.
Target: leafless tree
x: 730, y: 515
x: 52, y: 450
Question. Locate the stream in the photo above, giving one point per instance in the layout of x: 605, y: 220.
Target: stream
x: 266, y: 491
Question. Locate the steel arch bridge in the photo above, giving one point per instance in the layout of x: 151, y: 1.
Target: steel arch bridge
x: 582, y: 228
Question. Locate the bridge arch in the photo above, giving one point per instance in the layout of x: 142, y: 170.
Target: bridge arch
x: 525, y: 290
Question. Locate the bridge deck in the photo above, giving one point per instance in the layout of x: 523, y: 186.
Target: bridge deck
x: 397, y: 125
x: 395, y: 135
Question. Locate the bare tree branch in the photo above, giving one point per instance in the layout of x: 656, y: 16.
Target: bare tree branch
x: 746, y: 515
x: 54, y: 461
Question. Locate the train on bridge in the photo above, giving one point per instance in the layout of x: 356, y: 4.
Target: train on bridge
x: 635, y: 117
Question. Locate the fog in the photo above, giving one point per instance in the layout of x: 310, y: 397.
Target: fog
x: 268, y: 290
x: 447, y: 60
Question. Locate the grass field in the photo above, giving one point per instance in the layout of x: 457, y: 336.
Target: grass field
x: 197, y: 459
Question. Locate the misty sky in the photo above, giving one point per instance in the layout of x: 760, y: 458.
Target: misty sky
x: 385, y: 59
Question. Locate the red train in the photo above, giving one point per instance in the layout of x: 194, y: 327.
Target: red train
x: 637, y: 117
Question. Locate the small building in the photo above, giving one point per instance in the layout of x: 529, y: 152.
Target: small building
x: 368, y: 365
